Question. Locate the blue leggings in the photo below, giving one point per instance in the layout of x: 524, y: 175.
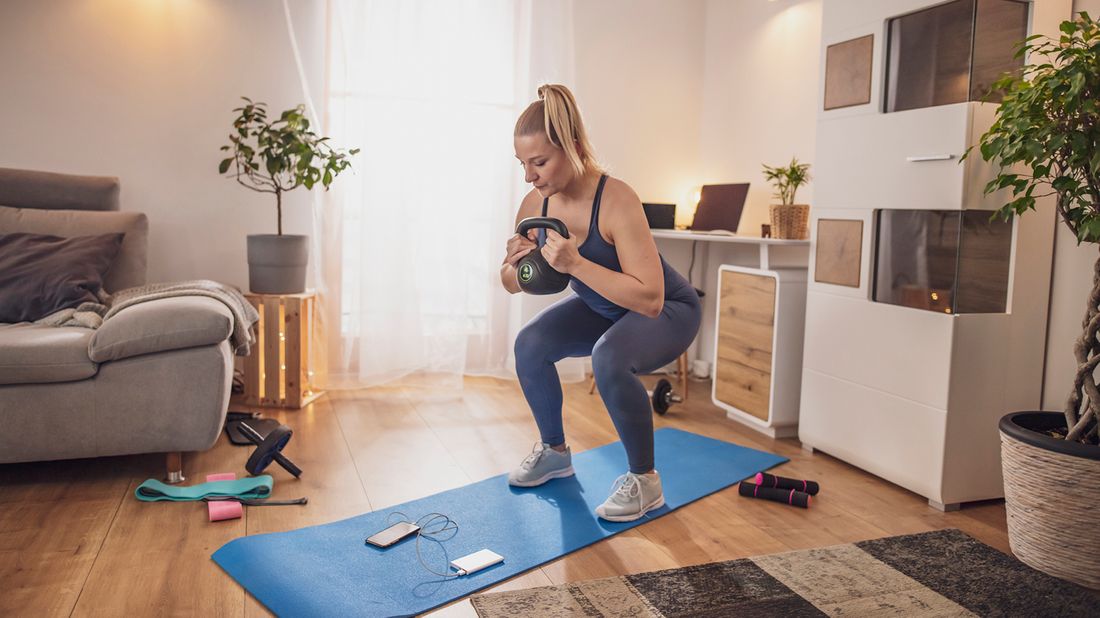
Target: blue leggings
x: 620, y: 350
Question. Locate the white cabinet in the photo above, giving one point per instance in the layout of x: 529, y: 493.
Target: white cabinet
x: 914, y: 395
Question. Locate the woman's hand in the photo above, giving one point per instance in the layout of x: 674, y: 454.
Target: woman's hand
x: 519, y: 246
x: 561, y: 253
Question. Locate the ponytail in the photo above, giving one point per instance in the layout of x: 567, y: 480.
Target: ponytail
x: 557, y: 116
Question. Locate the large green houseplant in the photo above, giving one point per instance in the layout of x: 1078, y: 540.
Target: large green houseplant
x: 1046, y: 141
x: 276, y: 156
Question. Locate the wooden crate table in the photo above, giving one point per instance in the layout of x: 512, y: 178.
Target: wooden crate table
x: 278, y: 372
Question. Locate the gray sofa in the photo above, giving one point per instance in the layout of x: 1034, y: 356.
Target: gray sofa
x: 154, y: 378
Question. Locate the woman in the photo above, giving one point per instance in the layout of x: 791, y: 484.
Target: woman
x: 631, y: 311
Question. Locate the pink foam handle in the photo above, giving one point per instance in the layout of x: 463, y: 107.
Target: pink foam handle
x: 221, y: 510
x: 759, y: 480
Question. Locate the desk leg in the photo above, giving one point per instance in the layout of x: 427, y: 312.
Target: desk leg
x: 764, y: 257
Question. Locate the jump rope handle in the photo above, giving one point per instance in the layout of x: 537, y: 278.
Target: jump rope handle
x: 779, y: 482
x: 786, y: 496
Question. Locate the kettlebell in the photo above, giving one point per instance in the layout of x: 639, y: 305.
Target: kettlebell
x: 534, y: 274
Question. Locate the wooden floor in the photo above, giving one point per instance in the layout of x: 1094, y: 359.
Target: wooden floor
x: 74, y: 541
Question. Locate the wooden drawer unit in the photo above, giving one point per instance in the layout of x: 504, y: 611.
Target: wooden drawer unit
x: 758, y: 346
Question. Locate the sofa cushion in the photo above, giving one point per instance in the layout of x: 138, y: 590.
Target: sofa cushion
x: 34, y: 189
x: 34, y: 353
x: 41, y: 274
x: 129, y: 267
x: 160, y: 325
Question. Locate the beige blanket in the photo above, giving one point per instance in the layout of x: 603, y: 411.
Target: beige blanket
x: 92, y: 315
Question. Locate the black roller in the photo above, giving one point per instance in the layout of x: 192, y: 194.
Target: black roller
x: 269, y: 449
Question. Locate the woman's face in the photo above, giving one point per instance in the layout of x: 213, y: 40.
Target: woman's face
x: 544, y: 165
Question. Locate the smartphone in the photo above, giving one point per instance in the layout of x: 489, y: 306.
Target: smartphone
x: 393, y: 534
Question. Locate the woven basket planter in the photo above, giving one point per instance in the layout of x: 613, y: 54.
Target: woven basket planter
x: 1051, y: 493
x: 790, y: 221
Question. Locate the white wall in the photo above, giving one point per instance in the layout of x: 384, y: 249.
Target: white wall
x: 1070, y: 285
x: 144, y: 90
x: 676, y: 94
x: 639, y: 83
x: 760, y: 95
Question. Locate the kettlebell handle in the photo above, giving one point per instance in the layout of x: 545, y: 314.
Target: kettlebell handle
x: 534, y: 223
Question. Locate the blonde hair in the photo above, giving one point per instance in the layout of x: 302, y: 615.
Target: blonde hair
x: 556, y: 115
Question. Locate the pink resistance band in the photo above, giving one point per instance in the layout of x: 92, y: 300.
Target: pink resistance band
x: 221, y: 510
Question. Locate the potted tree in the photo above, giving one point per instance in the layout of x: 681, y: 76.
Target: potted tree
x: 1046, y: 141
x: 789, y: 220
x: 275, y: 157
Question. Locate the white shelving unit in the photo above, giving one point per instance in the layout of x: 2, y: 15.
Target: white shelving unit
x: 911, y: 395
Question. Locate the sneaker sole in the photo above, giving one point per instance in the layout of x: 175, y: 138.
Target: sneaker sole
x: 656, y: 504
x: 556, y: 474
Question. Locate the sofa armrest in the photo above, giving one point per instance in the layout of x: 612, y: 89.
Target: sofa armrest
x: 161, y: 325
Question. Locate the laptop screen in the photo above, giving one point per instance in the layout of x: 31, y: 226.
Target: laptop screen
x: 720, y: 207
x: 660, y: 216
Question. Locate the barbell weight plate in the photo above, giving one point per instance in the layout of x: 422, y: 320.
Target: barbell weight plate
x: 662, y: 396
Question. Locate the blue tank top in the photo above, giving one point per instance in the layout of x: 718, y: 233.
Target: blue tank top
x: 597, y: 250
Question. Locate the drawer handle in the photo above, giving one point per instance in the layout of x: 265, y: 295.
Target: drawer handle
x: 939, y: 157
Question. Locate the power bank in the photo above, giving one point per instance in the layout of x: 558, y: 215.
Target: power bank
x: 476, y: 561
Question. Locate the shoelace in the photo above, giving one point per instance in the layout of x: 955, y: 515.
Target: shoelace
x: 628, y: 486
x: 536, y: 454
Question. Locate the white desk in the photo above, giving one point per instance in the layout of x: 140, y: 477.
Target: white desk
x: 753, y: 321
x: 794, y: 248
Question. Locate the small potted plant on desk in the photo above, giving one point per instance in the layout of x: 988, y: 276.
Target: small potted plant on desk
x: 789, y: 220
x: 276, y: 157
x: 1046, y: 140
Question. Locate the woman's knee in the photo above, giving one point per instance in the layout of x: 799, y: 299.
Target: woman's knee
x: 531, y: 343
x: 609, y: 358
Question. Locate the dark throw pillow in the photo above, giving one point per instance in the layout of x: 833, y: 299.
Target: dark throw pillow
x: 41, y: 274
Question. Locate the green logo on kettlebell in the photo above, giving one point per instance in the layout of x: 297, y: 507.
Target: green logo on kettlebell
x: 526, y: 272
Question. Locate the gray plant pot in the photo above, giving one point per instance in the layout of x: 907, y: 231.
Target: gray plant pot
x: 277, y: 264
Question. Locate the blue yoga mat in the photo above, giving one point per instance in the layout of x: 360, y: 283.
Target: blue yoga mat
x: 327, y: 570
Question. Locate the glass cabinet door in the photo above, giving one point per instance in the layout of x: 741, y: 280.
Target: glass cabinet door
x: 952, y: 52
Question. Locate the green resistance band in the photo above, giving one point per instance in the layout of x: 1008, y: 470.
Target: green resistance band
x: 251, y: 488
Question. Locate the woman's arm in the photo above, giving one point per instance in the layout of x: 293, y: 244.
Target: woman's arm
x: 641, y: 285
x: 517, y: 245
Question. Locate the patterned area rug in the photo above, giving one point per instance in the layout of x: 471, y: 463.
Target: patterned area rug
x: 944, y: 573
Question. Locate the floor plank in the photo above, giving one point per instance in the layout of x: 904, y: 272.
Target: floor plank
x: 54, y: 517
x: 156, y: 557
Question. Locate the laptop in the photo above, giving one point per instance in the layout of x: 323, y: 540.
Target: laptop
x: 660, y: 216
x: 720, y: 208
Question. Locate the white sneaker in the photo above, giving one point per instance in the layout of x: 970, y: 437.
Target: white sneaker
x: 543, y: 464
x: 632, y: 496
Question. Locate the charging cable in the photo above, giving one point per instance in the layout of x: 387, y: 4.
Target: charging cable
x: 434, y: 527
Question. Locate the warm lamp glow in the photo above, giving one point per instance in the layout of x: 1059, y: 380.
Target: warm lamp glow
x: 685, y: 208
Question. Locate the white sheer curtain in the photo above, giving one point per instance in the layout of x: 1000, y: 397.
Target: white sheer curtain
x: 411, y: 242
